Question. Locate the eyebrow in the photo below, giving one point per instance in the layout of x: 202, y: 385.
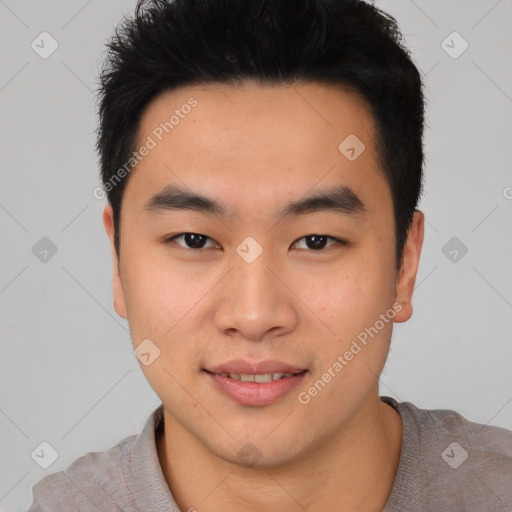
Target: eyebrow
x: 340, y: 199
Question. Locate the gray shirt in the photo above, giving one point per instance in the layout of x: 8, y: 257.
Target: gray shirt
x: 447, y: 463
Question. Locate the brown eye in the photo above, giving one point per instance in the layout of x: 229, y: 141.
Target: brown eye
x: 190, y: 240
x: 317, y: 242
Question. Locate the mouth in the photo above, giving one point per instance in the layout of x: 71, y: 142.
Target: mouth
x: 255, y: 384
x: 259, y: 378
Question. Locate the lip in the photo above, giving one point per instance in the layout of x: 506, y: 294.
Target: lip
x: 252, y: 393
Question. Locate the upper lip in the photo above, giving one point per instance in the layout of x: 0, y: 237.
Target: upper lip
x: 255, y: 368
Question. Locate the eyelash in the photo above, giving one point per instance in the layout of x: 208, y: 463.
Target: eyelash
x: 336, y: 240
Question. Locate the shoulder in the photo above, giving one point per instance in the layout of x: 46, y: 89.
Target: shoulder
x: 437, y: 426
x: 454, y: 461
x: 87, y: 484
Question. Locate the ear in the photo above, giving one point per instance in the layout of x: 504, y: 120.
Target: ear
x: 117, y: 285
x: 409, y: 267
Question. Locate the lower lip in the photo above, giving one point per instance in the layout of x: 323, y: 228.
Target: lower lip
x: 251, y: 393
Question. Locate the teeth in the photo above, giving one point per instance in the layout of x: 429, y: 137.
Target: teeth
x: 265, y: 377
x: 259, y: 378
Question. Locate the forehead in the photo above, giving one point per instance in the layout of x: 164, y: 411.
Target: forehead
x: 258, y: 142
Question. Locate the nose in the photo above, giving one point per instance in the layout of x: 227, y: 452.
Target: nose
x: 254, y: 304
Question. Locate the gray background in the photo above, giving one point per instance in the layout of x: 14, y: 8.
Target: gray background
x: 68, y: 373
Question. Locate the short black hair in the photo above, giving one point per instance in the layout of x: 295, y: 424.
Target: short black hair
x: 173, y: 43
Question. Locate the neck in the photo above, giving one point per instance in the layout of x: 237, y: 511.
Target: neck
x: 355, y: 469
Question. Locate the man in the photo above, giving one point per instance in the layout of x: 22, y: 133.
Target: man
x: 262, y: 161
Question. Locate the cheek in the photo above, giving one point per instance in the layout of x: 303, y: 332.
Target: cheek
x: 157, y: 307
x: 163, y: 304
x: 351, y: 296
x: 160, y: 303
x: 155, y: 295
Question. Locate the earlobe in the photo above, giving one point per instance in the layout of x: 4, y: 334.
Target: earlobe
x: 407, y: 274
x: 117, y: 285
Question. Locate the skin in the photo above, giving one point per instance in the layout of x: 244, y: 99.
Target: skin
x: 254, y: 148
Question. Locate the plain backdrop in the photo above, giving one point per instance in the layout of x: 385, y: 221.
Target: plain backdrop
x: 68, y: 374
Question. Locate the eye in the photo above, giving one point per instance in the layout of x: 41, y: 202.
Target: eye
x: 318, y: 242
x: 191, y: 240
x: 197, y: 241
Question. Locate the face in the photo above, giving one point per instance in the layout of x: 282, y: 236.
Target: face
x: 285, y: 265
